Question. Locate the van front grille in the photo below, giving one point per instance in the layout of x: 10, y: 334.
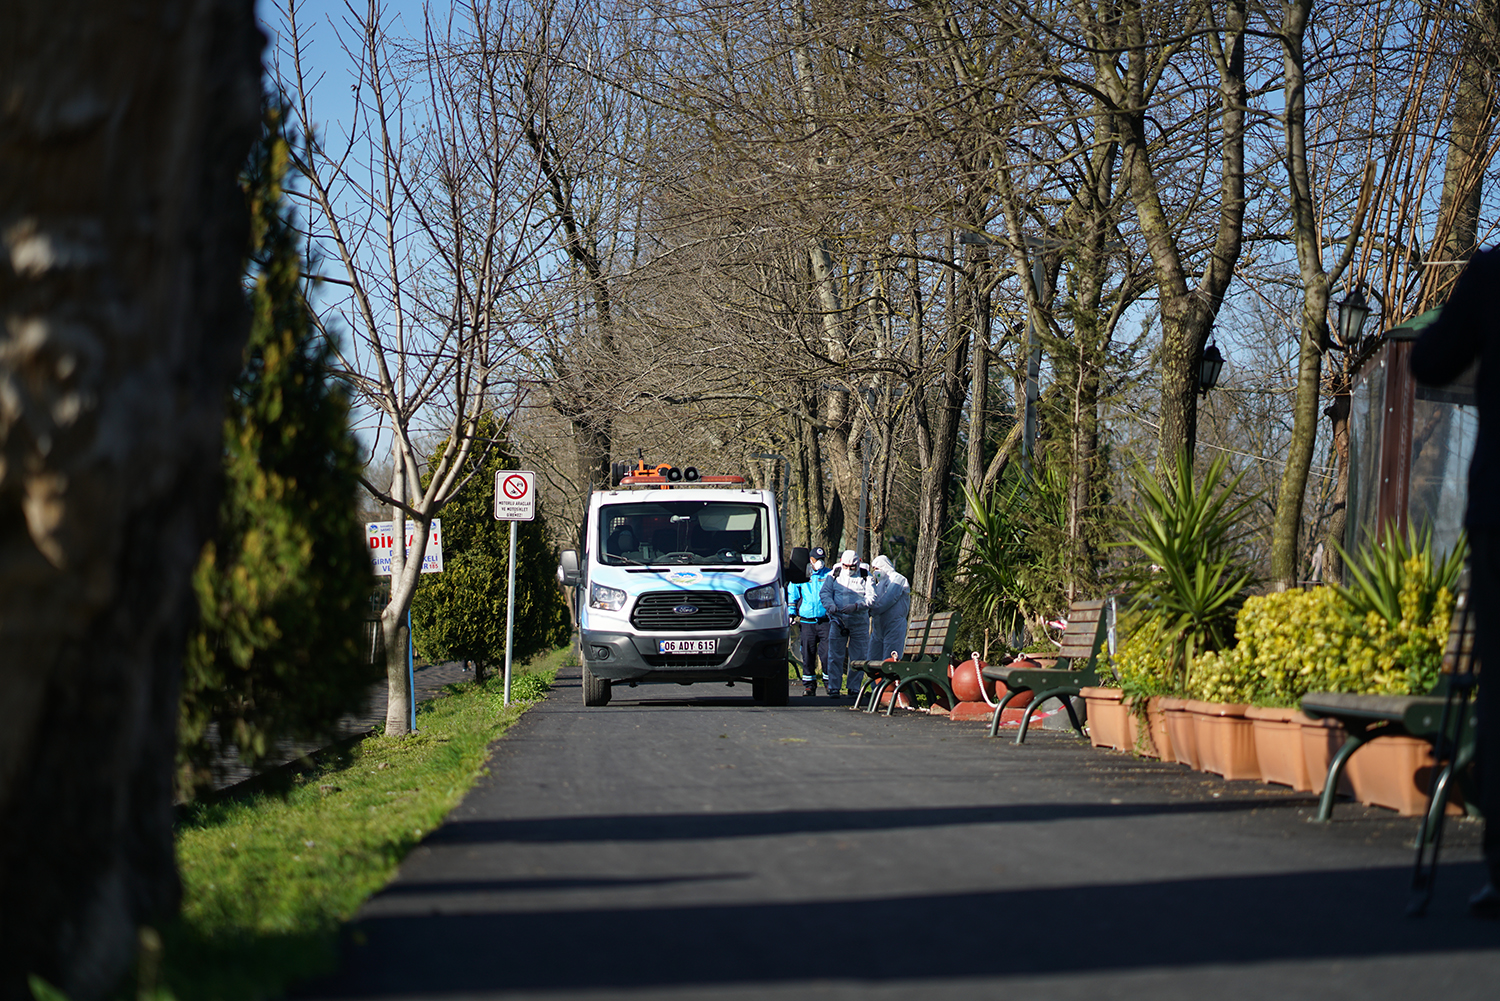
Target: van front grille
x: 665, y: 612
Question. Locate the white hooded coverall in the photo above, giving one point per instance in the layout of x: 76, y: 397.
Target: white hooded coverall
x: 846, y: 596
x: 889, y: 608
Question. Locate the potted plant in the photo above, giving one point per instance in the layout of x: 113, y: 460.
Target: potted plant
x: 1284, y: 643
x: 1186, y: 591
x: 1143, y: 670
x: 1397, y: 609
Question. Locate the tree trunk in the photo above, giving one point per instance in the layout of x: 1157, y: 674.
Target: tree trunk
x: 936, y: 452
x: 1468, y: 153
x: 1187, y: 313
x: 122, y: 136
x: 1287, y: 524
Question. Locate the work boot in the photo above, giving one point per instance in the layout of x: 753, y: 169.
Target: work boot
x: 809, y: 688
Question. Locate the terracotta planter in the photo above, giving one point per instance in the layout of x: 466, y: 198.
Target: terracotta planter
x: 1182, y: 732
x: 1394, y: 772
x: 1154, y: 743
x: 1278, y: 746
x: 1226, y: 739
x: 1107, y: 717
x: 1321, y: 739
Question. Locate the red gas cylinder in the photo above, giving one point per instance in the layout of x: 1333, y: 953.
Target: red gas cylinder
x: 968, y: 684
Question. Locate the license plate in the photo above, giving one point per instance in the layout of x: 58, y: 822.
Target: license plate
x: 687, y: 646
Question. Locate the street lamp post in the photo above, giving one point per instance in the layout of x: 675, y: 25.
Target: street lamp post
x: 1354, y: 310
x: 1208, y: 371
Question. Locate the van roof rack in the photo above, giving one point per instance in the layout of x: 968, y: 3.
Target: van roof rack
x: 658, y: 480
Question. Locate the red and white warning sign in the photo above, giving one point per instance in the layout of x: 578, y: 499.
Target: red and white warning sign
x: 381, y: 540
x: 515, y: 495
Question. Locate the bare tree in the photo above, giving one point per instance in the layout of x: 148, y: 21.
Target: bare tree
x: 429, y: 211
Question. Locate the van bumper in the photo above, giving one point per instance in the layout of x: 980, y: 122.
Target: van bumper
x: 757, y: 653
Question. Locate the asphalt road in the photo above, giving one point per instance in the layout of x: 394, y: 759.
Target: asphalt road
x: 683, y: 842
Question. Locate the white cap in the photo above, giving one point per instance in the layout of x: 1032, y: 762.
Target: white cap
x: 850, y: 558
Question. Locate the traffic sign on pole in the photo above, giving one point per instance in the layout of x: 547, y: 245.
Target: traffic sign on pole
x: 515, y: 495
x: 515, y: 500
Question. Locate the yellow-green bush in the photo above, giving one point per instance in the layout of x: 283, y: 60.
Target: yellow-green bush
x: 1288, y: 644
x: 1297, y: 642
x: 1143, y: 658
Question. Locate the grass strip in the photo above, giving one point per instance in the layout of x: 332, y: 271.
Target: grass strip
x: 268, y: 880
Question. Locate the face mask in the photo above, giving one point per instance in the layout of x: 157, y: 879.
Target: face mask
x: 817, y: 564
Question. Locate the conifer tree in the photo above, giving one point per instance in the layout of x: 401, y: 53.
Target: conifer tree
x: 283, y: 588
x: 459, y: 614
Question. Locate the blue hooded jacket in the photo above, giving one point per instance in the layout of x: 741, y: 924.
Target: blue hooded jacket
x: 804, y: 599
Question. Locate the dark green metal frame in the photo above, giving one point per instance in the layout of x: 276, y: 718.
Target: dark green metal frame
x: 1061, y: 683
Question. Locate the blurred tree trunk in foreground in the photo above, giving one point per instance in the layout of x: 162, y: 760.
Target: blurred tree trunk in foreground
x: 121, y: 233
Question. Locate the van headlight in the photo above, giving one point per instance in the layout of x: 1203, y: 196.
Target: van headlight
x: 765, y: 596
x: 610, y: 599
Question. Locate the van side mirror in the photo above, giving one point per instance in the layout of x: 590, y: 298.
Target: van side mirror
x: 567, y: 569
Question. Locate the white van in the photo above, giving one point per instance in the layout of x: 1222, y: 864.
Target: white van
x: 681, y: 581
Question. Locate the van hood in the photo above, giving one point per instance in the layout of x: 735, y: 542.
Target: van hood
x: 636, y: 580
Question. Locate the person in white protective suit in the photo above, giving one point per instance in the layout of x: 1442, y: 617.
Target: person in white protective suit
x: 846, y: 597
x: 889, y: 606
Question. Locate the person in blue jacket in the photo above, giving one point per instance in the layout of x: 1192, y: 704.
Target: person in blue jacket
x: 807, y: 607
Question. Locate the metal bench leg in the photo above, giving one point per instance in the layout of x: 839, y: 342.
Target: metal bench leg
x: 863, y: 684
x: 874, y: 705
x: 1010, y: 693
x: 1031, y: 707
x: 1335, y: 772
x: 891, y: 706
x: 1427, y: 834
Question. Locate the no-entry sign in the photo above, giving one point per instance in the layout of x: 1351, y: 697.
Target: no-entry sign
x: 515, y: 495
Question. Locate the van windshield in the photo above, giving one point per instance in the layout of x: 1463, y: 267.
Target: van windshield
x: 703, y: 533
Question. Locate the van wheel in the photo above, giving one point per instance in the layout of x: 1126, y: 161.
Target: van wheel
x: 596, y: 690
x: 770, y: 691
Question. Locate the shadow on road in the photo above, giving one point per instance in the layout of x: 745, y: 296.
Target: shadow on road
x: 698, y: 826
x: 416, y: 889
x: 1082, y: 929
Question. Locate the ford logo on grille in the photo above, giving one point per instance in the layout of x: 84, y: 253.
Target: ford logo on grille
x: 685, y: 609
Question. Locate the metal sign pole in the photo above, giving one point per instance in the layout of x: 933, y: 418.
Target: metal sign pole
x: 515, y: 500
x: 510, y: 611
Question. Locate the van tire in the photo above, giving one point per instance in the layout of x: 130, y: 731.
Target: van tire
x: 770, y: 691
x: 596, y: 690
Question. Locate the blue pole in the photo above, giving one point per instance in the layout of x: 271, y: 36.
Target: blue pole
x: 411, y: 678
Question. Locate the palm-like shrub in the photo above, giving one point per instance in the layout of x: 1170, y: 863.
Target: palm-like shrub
x: 1015, y: 570
x: 1400, y: 602
x: 1194, y: 578
x: 1400, y: 579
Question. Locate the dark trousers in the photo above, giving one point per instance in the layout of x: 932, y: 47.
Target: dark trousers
x: 1484, y: 594
x: 814, y: 650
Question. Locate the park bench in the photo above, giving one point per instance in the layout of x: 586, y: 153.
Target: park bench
x: 1369, y: 717
x: 923, y: 662
x: 1077, y: 668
